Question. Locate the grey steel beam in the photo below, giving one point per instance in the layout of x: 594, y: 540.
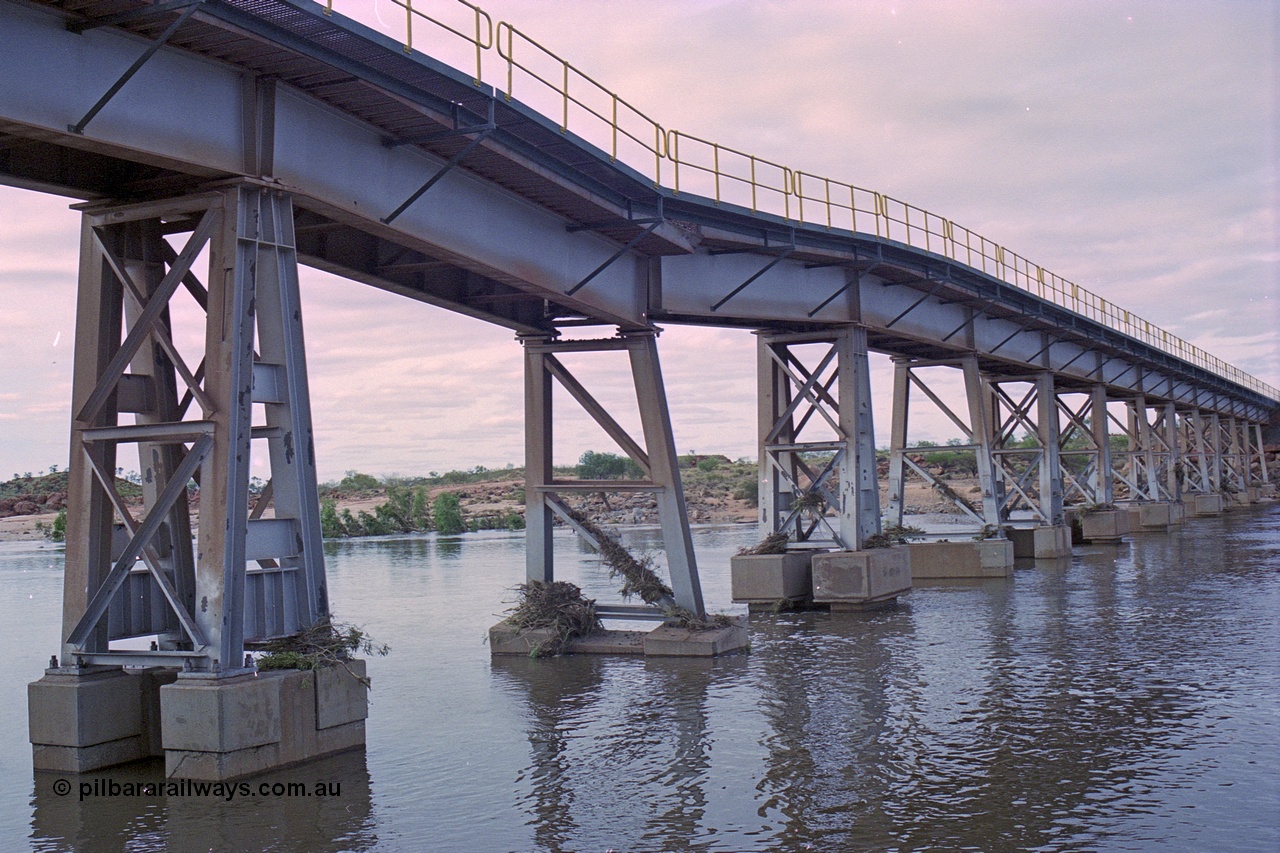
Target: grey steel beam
x: 79, y: 126
x: 173, y: 135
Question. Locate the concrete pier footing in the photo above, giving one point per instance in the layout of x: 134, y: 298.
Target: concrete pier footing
x: 1047, y: 542
x: 978, y: 558
x: 1205, y: 504
x: 1107, y: 526
x: 85, y: 718
x: 1244, y: 497
x: 207, y: 728
x: 859, y: 580
x: 766, y: 579
x: 663, y: 641
x: 1151, y: 516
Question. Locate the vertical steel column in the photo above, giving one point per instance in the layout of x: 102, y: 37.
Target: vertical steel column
x: 859, y: 484
x: 1103, y: 480
x: 898, y: 440
x: 1260, y: 456
x: 655, y: 420
x: 1173, y: 455
x: 1051, y: 490
x: 289, y: 590
x: 224, y: 486
x: 99, y: 313
x: 1146, y: 479
x: 981, y: 430
x: 538, y: 420
x: 777, y: 464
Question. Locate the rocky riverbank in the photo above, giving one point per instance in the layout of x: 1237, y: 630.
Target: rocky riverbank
x: 717, y: 490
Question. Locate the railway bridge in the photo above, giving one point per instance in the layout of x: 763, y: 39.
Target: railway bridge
x: 216, y: 144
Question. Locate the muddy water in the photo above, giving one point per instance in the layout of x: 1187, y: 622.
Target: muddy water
x: 1123, y: 699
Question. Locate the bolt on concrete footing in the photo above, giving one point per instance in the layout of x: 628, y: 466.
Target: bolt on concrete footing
x: 206, y: 728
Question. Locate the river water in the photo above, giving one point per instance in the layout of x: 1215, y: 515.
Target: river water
x: 1122, y: 699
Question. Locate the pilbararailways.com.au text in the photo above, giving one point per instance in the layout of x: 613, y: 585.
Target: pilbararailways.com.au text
x: 228, y: 791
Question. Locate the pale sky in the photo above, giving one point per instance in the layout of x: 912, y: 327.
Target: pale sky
x: 1127, y: 146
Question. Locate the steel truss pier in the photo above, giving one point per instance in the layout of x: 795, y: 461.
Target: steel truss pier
x: 253, y: 575
x: 974, y: 425
x: 655, y: 457
x: 818, y: 408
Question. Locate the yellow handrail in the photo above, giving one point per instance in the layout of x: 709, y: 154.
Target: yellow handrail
x: 768, y: 187
x: 483, y: 38
x: 732, y: 171
x: 565, y: 73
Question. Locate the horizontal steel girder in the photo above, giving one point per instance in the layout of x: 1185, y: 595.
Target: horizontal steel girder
x: 184, y: 119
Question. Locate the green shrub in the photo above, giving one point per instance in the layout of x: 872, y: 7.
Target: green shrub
x: 748, y: 490
x: 448, y: 514
x: 606, y: 466
x: 354, y: 481
x: 330, y: 525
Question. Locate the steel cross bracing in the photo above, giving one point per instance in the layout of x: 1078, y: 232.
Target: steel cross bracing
x: 1146, y: 468
x: 1028, y: 468
x: 655, y: 456
x: 1194, y: 452
x: 1233, y: 454
x: 1085, y: 448
x: 906, y: 458
x: 194, y: 429
x: 817, y: 443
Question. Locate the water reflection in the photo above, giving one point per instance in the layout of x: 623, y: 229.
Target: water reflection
x: 620, y: 750
x: 1122, y: 699
x: 114, y: 820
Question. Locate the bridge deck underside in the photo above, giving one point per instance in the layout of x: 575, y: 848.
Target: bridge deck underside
x: 528, y: 230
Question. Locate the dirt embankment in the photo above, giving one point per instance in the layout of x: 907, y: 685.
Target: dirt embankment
x: 717, y: 492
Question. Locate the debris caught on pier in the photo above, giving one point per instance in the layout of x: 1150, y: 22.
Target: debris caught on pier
x: 558, y: 605
x: 893, y: 534
x: 324, y: 644
x: 774, y: 543
x: 638, y: 576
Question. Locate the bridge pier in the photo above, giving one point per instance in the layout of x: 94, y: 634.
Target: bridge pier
x: 656, y: 458
x: 977, y: 428
x: 253, y: 576
x: 814, y: 401
x: 1146, y: 472
x: 1201, y: 470
x: 1029, y: 471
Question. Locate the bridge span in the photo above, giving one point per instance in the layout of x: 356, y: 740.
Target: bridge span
x: 261, y: 134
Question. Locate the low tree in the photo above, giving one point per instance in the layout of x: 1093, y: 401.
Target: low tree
x: 448, y: 514
x: 606, y: 466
